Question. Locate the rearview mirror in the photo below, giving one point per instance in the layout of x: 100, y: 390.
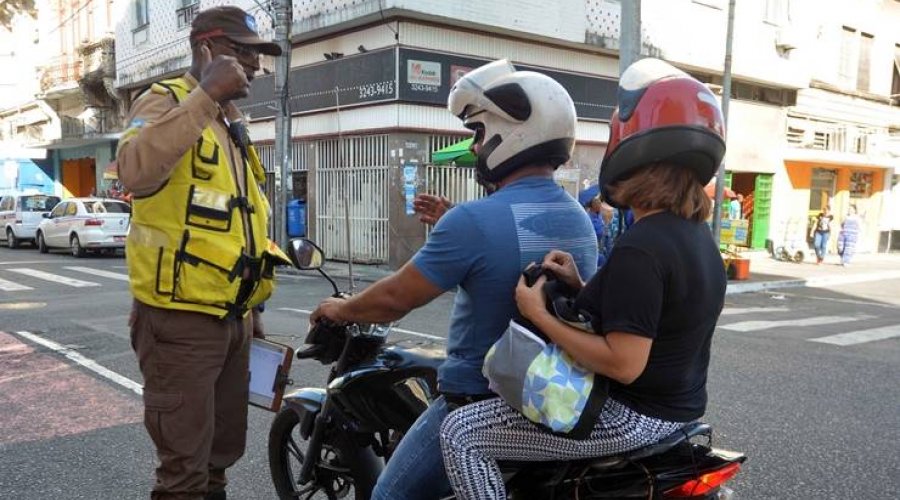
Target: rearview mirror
x: 45, y: 215
x: 305, y: 254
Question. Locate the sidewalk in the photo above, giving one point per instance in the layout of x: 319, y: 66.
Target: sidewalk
x: 768, y: 273
x: 765, y: 272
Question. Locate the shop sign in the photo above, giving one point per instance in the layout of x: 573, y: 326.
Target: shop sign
x: 423, y: 73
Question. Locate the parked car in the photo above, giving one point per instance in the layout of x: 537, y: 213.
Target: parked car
x: 21, y: 213
x: 85, y: 224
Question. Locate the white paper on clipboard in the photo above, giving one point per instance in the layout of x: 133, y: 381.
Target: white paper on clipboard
x: 267, y: 360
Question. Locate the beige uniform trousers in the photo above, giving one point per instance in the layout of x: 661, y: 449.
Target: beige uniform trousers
x: 196, y: 380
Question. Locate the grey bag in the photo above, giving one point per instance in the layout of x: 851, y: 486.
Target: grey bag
x: 544, y: 383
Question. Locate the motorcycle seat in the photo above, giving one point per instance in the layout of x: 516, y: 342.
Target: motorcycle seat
x: 667, y: 443
x: 613, y: 461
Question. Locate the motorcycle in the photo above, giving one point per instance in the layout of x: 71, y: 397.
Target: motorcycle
x: 375, y: 392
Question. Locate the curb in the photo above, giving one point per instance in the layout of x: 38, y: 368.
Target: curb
x: 335, y: 274
x: 736, y: 288
x: 818, y: 282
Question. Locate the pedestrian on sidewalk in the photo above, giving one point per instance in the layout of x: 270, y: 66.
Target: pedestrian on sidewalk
x: 735, y: 207
x: 849, y: 235
x: 199, y: 261
x: 821, y: 232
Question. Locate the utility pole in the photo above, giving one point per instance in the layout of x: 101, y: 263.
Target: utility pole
x: 283, y: 11
x: 726, y: 97
x: 629, y: 34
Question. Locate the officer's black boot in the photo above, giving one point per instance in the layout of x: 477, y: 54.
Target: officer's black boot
x: 215, y: 495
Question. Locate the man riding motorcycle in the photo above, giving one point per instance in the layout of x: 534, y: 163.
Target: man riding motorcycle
x: 524, y: 125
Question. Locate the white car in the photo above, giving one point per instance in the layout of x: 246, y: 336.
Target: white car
x: 20, y: 215
x: 83, y: 224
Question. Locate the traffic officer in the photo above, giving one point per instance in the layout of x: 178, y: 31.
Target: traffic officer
x: 199, y: 261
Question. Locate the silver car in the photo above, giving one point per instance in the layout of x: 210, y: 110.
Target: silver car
x: 20, y: 215
x: 85, y: 224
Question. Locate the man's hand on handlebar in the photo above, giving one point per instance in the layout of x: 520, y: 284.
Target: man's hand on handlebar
x: 330, y: 310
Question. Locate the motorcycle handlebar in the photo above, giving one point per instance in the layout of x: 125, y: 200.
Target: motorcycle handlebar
x: 309, y: 352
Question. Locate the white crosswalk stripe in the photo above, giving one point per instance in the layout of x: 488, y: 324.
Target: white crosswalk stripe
x: 752, y: 326
x: 55, y: 278
x: 752, y: 310
x: 860, y: 336
x: 99, y: 272
x: 9, y: 286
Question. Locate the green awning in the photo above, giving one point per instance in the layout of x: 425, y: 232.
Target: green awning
x: 455, y: 153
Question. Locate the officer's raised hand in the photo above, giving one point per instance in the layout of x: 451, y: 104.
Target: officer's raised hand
x: 222, y: 77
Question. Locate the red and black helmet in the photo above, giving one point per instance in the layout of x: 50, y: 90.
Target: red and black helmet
x: 663, y: 115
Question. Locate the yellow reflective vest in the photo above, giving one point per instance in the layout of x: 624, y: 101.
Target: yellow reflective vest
x: 188, y: 248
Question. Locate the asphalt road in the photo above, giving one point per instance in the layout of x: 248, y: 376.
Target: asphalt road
x: 818, y: 418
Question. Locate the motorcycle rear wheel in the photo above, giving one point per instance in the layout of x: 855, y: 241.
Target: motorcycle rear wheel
x: 345, y: 470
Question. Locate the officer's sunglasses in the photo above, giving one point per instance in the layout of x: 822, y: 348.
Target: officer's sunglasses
x: 239, y: 49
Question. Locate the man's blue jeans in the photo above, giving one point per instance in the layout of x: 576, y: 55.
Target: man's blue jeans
x: 820, y: 242
x: 416, y: 469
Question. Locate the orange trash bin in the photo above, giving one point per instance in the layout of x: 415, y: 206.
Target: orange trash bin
x: 739, y: 269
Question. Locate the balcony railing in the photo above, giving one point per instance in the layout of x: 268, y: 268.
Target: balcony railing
x: 822, y: 135
x: 77, y: 127
x: 60, y: 74
x: 185, y: 15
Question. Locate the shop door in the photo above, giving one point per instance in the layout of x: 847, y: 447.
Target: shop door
x: 821, y: 190
x: 78, y: 176
x: 762, y: 207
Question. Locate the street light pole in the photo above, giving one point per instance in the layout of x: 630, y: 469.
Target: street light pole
x: 726, y: 97
x: 629, y: 34
x: 283, y: 185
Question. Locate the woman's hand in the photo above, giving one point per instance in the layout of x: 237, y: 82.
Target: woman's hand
x: 431, y: 207
x: 563, y: 266
x: 530, y: 300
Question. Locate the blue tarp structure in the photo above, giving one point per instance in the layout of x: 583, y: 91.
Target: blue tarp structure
x: 24, y: 175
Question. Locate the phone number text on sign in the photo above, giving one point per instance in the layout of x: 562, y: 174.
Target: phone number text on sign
x: 380, y: 89
x: 418, y: 87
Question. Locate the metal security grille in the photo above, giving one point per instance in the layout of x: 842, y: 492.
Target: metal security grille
x: 456, y: 183
x: 352, y: 182
x: 362, y: 193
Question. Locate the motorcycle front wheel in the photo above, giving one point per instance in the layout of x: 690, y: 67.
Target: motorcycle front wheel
x: 344, y: 470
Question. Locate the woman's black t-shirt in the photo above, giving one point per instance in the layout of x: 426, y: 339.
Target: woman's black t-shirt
x: 664, y: 280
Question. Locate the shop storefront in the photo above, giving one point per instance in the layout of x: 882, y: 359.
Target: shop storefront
x: 840, y: 187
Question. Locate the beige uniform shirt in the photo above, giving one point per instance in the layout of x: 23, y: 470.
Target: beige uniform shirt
x: 166, y: 130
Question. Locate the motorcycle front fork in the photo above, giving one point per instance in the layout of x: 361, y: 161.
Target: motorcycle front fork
x: 314, y: 449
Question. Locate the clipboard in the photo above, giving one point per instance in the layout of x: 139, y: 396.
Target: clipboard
x: 270, y: 364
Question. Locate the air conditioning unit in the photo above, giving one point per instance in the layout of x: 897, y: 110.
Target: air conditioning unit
x: 787, y: 39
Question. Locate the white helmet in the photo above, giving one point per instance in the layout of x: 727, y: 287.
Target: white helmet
x: 523, y: 118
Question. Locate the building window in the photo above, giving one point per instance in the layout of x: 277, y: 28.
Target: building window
x: 186, y: 12
x: 865, y: 62
x: 860, y: 184
x: 777, y: 12
x: 847, y: 68
x: 141, y: 18
x: 855, y: 67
